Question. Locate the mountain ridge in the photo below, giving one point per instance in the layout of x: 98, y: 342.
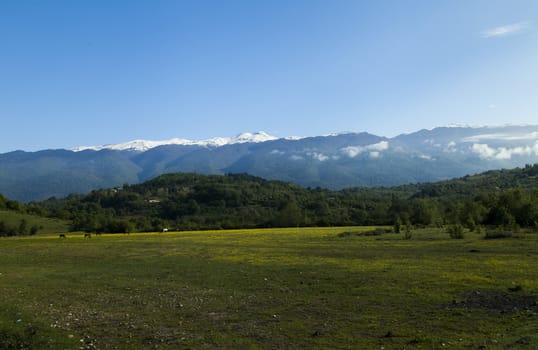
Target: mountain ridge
x: 333, y: 161
x: 144, y: 145
x: 246, y: 137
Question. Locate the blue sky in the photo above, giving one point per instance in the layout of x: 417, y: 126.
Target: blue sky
x: 95, y: 72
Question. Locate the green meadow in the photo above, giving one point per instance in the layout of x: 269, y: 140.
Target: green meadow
x: 300, y: 288
x: 44, y: 225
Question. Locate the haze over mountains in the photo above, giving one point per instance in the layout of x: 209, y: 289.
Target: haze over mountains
x: 334, y: 161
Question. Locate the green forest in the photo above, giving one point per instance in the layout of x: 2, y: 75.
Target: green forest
x: 501, y: 198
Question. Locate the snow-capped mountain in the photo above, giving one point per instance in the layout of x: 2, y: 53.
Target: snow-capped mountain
x: 332, y: 161
x: 144, y: 145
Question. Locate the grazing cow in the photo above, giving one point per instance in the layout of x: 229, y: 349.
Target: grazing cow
x: 165, y: 229
x: 87, y: 235
x: 62, y: 235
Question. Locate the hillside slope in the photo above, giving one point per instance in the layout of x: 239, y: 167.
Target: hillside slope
x: 192, y: 201
x: 333, y: 162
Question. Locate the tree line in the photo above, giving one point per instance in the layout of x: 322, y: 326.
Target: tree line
x: 191, y: 201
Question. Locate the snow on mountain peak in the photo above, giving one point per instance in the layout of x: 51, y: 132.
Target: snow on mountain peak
x: 144, y: 145
x: 256, y: 137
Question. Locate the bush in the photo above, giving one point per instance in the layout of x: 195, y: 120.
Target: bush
x: 33, y: 230
x: 455, y: 231
x: 7, y: 230
x: 497, y: 234
x: 470, y: 223
x: 407, y: 232
x: 375, y: 232
x: 397, y: 225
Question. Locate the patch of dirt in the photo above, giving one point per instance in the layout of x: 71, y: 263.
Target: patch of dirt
x: 523, y: 342
x: 496, y: 300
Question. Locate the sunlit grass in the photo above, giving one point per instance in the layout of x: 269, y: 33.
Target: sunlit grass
x: 270, y: 288
x: 47, y: 226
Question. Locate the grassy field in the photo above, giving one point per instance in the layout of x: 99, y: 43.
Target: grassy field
x: 45, y: 225
x: 269, y: 289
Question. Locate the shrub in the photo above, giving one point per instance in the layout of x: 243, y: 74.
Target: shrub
x: 7, y: 230
x: 470, y: 223
x: 33, y: 230
x: 512, y: 227
x: 455, y: 231
x: 397, y: 225
x: 407, y: 232
x: 374, y: 232
x: 497, y: 234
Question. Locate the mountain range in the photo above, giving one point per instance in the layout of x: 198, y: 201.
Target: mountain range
x: 333, y: 161
x: 144, y: 145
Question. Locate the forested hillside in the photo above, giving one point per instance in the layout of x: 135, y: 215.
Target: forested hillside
x: 334, y: 161
x: 191, y: 201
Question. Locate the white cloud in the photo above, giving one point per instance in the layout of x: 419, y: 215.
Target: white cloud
x: 381, y: 146
x: 450, y: 147
x: 295, y: 157
x: 504, y: 153
x: 352, y: 151
x: 375, y: 149
x: 484, y: 151
x: 318, y: 156
x: 505, y: 30
x: 431, y: 142
x: 277, y: 152
x: 502, y: 137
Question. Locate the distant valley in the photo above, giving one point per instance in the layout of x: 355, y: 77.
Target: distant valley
x: 334, y: 161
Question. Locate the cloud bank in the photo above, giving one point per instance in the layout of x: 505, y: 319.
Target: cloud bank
x: 318, y: 156
x: 505, y: 30
x: 484, y: 151
x: 502, y: 137
x: 374, y: 149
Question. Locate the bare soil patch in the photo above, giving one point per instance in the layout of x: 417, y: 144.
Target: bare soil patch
x: 496, y: 300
